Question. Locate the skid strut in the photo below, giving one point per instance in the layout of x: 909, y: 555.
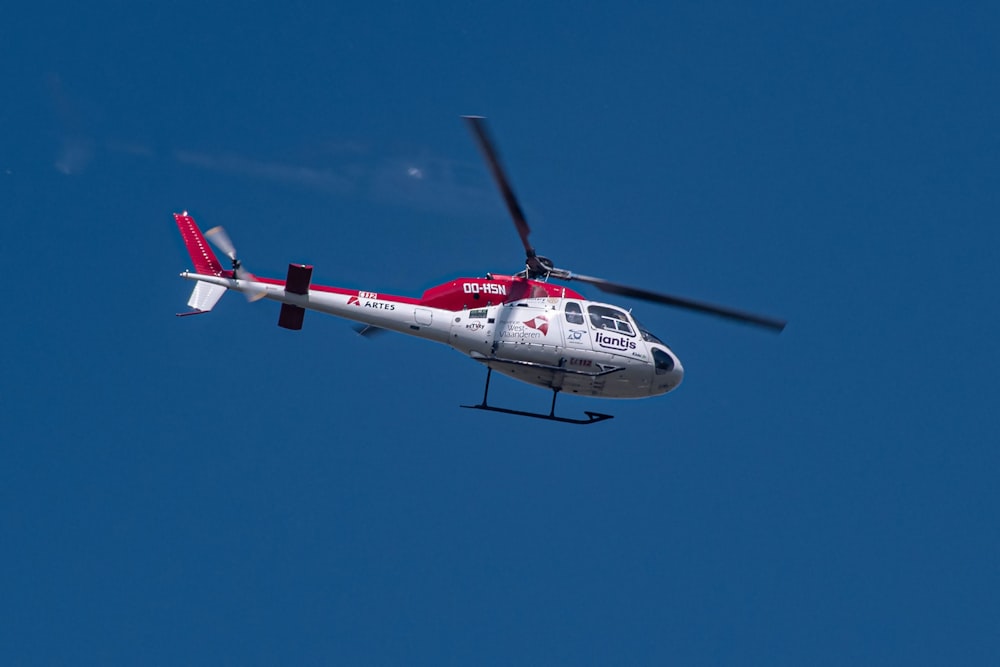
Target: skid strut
x: 592, y: 417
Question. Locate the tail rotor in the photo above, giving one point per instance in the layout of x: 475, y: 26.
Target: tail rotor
x: 220, y: 239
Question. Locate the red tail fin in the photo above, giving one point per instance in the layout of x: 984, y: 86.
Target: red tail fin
x: 205, y: 261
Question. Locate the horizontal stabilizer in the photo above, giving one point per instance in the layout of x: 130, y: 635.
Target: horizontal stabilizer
x: 291, y: 317
x: 298, y: 279
x: 296, y: 282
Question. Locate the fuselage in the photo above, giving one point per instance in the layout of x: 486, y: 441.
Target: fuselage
x: 537, y: 332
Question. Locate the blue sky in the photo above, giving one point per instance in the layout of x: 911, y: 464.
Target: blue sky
x: 216, y: 489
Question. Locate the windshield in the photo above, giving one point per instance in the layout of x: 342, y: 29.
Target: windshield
x: 610, y: 319
x: 647, y: 335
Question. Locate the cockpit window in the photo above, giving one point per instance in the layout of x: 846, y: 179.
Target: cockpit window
x: 610, y: 319
x: 574, y: 315
x: 648, y: 336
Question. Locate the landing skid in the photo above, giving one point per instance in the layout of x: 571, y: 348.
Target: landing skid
x: 592, y: 417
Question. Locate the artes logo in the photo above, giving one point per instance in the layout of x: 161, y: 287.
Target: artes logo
x: 541, y: 323
x: 353, y: 301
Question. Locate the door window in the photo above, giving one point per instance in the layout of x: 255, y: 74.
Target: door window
x: 574, y: 314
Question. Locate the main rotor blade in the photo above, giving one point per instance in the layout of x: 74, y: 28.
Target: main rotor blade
x: 711, y: 309
x: 479, y: 130
x: 218, y: 237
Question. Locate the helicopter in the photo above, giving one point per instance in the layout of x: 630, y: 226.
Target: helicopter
x: 521, y: 325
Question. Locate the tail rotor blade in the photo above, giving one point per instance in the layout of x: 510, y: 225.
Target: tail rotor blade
x: 256, y: 294
x: 218, y: 237
x: 253, y: 293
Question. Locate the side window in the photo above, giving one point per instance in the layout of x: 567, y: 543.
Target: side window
x: 574, y: 315
x: 610, y: 319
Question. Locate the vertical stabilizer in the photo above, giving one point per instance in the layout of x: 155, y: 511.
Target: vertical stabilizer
x: 205, y: 261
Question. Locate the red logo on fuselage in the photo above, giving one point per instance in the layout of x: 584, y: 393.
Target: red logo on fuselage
x: 541, y: 323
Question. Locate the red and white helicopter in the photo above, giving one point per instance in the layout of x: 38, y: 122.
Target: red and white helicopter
x: 520, y: 325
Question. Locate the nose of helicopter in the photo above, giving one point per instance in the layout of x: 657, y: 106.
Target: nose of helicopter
x: 669, y: 372
x: 676, y: 375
